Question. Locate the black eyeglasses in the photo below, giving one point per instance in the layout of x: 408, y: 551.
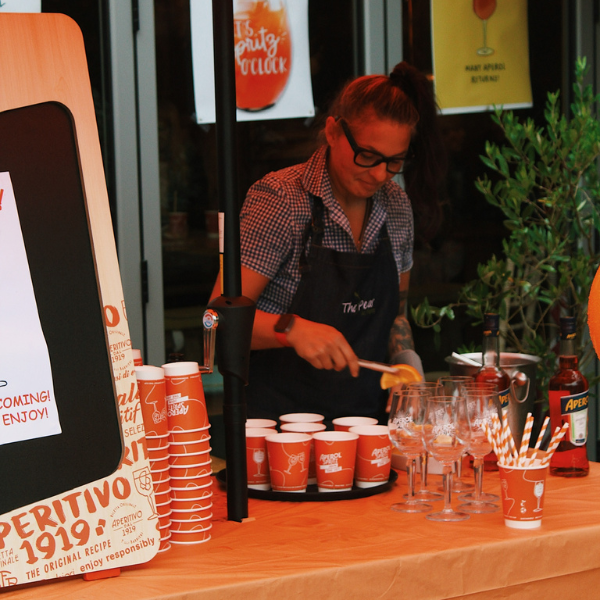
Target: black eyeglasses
x: 370, y: 158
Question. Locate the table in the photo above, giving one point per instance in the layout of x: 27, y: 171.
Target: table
x: 362, y: 549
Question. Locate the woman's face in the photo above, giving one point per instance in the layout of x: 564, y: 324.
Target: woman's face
x: 384, y: 137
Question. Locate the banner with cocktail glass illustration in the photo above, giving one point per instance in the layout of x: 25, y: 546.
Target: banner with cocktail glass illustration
x: 272, y: 60
x: 480, y: 55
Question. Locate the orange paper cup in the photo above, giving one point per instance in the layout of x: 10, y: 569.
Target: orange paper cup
x: 160, y: 476
x: 157, y: 443
x: 191, y: 525
x: 261, y: 424
x: 257, y: 462
x: 138, y: 361
x: 199, y: 471
x: 288, y: 455
x: 186, y: 437
x: 189, y: 493
x: 163, y: 499
x: 153, y: 399
x: 194, y: 504
x: 157, y: 466
x: 373, y: 455
x: 188, y: 483
x: 190, y: 538
x: 335, y: 457
x: 164, y: 521
x: 301, y: 418
x: 308, y: 428
x: 191, y: 515
x: 344, y: 423
x: 189, y: 448
x: 162, y: 488
x: 523, y: 495
x: 186, y: 407
x: 189, y: 460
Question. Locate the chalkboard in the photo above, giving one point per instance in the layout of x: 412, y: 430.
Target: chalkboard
x: 38, y: 147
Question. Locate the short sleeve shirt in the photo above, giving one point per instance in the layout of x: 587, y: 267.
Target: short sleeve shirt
x: 277, y: 211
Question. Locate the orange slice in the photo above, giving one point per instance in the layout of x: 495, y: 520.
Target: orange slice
x: 404, y: 374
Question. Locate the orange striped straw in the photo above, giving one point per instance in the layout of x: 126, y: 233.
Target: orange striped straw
x: 556, y: 437
x: 525, y: 440
x: 542, y: 432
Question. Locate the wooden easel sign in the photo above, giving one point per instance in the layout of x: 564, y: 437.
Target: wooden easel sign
x: 76, y: 491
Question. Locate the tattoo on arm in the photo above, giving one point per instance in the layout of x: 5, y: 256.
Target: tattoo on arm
x: 401, y: 334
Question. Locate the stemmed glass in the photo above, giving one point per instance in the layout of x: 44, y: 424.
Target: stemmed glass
x: 428, y: 388
x: 484, y: 9
x: 481, y: 406
x: 453, y: 386
x: 405, y: 426
x: 447, y: 435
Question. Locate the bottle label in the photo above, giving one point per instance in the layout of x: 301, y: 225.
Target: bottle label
x: 574, y: 411
x: 504, y: 397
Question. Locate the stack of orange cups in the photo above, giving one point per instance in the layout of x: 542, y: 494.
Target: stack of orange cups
x: 189, y: 454
x: 151, y: 386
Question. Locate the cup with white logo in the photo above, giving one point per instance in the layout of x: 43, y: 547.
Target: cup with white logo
x: 335, y: 457
x: 288, y: 455
x: 373, y: 455
x: 257, y: 463
x: 309, y: 428
x: 186, y: 405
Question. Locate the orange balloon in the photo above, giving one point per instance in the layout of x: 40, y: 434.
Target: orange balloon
x: 594, y: 313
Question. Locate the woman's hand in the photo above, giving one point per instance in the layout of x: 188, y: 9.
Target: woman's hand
x: 323, y: 346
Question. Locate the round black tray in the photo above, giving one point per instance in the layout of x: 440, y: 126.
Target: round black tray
x: 312, y: 493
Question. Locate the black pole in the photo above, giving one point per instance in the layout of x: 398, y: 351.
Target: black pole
x: 236, y: 313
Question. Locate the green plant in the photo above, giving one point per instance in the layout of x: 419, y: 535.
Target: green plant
x: 548, y: 189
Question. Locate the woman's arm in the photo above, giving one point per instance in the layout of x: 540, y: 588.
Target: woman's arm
x: 324, y: 347
x: 401, y: 346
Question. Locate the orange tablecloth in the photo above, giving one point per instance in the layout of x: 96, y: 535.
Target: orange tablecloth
x: 362, y: 549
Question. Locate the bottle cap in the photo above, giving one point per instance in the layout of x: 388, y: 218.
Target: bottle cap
x: 491, y: 324
x: 568, y: 327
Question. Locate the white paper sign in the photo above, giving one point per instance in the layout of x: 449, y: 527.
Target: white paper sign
x: 21, y: 6
x: 296, y: 99
x: 27, y: 401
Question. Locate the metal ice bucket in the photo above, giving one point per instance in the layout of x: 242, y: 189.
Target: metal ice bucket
x: 513, y: 363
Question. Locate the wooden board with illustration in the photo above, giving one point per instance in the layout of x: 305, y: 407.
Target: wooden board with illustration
x: 77, y: 492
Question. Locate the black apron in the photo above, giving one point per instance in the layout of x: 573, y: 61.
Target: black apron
x: 358, y: 294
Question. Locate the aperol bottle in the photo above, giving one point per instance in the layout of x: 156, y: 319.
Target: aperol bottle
x: 263, y: 52
x: 568, y: 395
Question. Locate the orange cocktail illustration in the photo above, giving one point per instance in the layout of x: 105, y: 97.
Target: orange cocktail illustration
x: 263, y: 52
x: 484, y: 9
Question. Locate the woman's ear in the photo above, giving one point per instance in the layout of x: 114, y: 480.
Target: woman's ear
x: 331, y: 131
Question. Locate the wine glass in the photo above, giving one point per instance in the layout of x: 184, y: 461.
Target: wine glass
x: 428, y: 388
x: 453, y: 386
x: 404, y: 426
x: 484, y: 9
x: 481, y: 406
x: 447, y: 434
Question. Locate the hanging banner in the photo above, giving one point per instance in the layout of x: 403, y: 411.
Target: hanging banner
x: 21, y: 6
x: 487, y: 64
x: 27, y: 401
x: 272, y: 60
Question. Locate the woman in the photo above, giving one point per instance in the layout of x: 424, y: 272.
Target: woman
x: 326, y: 252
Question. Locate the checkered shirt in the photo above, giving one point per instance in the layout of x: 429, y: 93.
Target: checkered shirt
x: 276, y: 213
